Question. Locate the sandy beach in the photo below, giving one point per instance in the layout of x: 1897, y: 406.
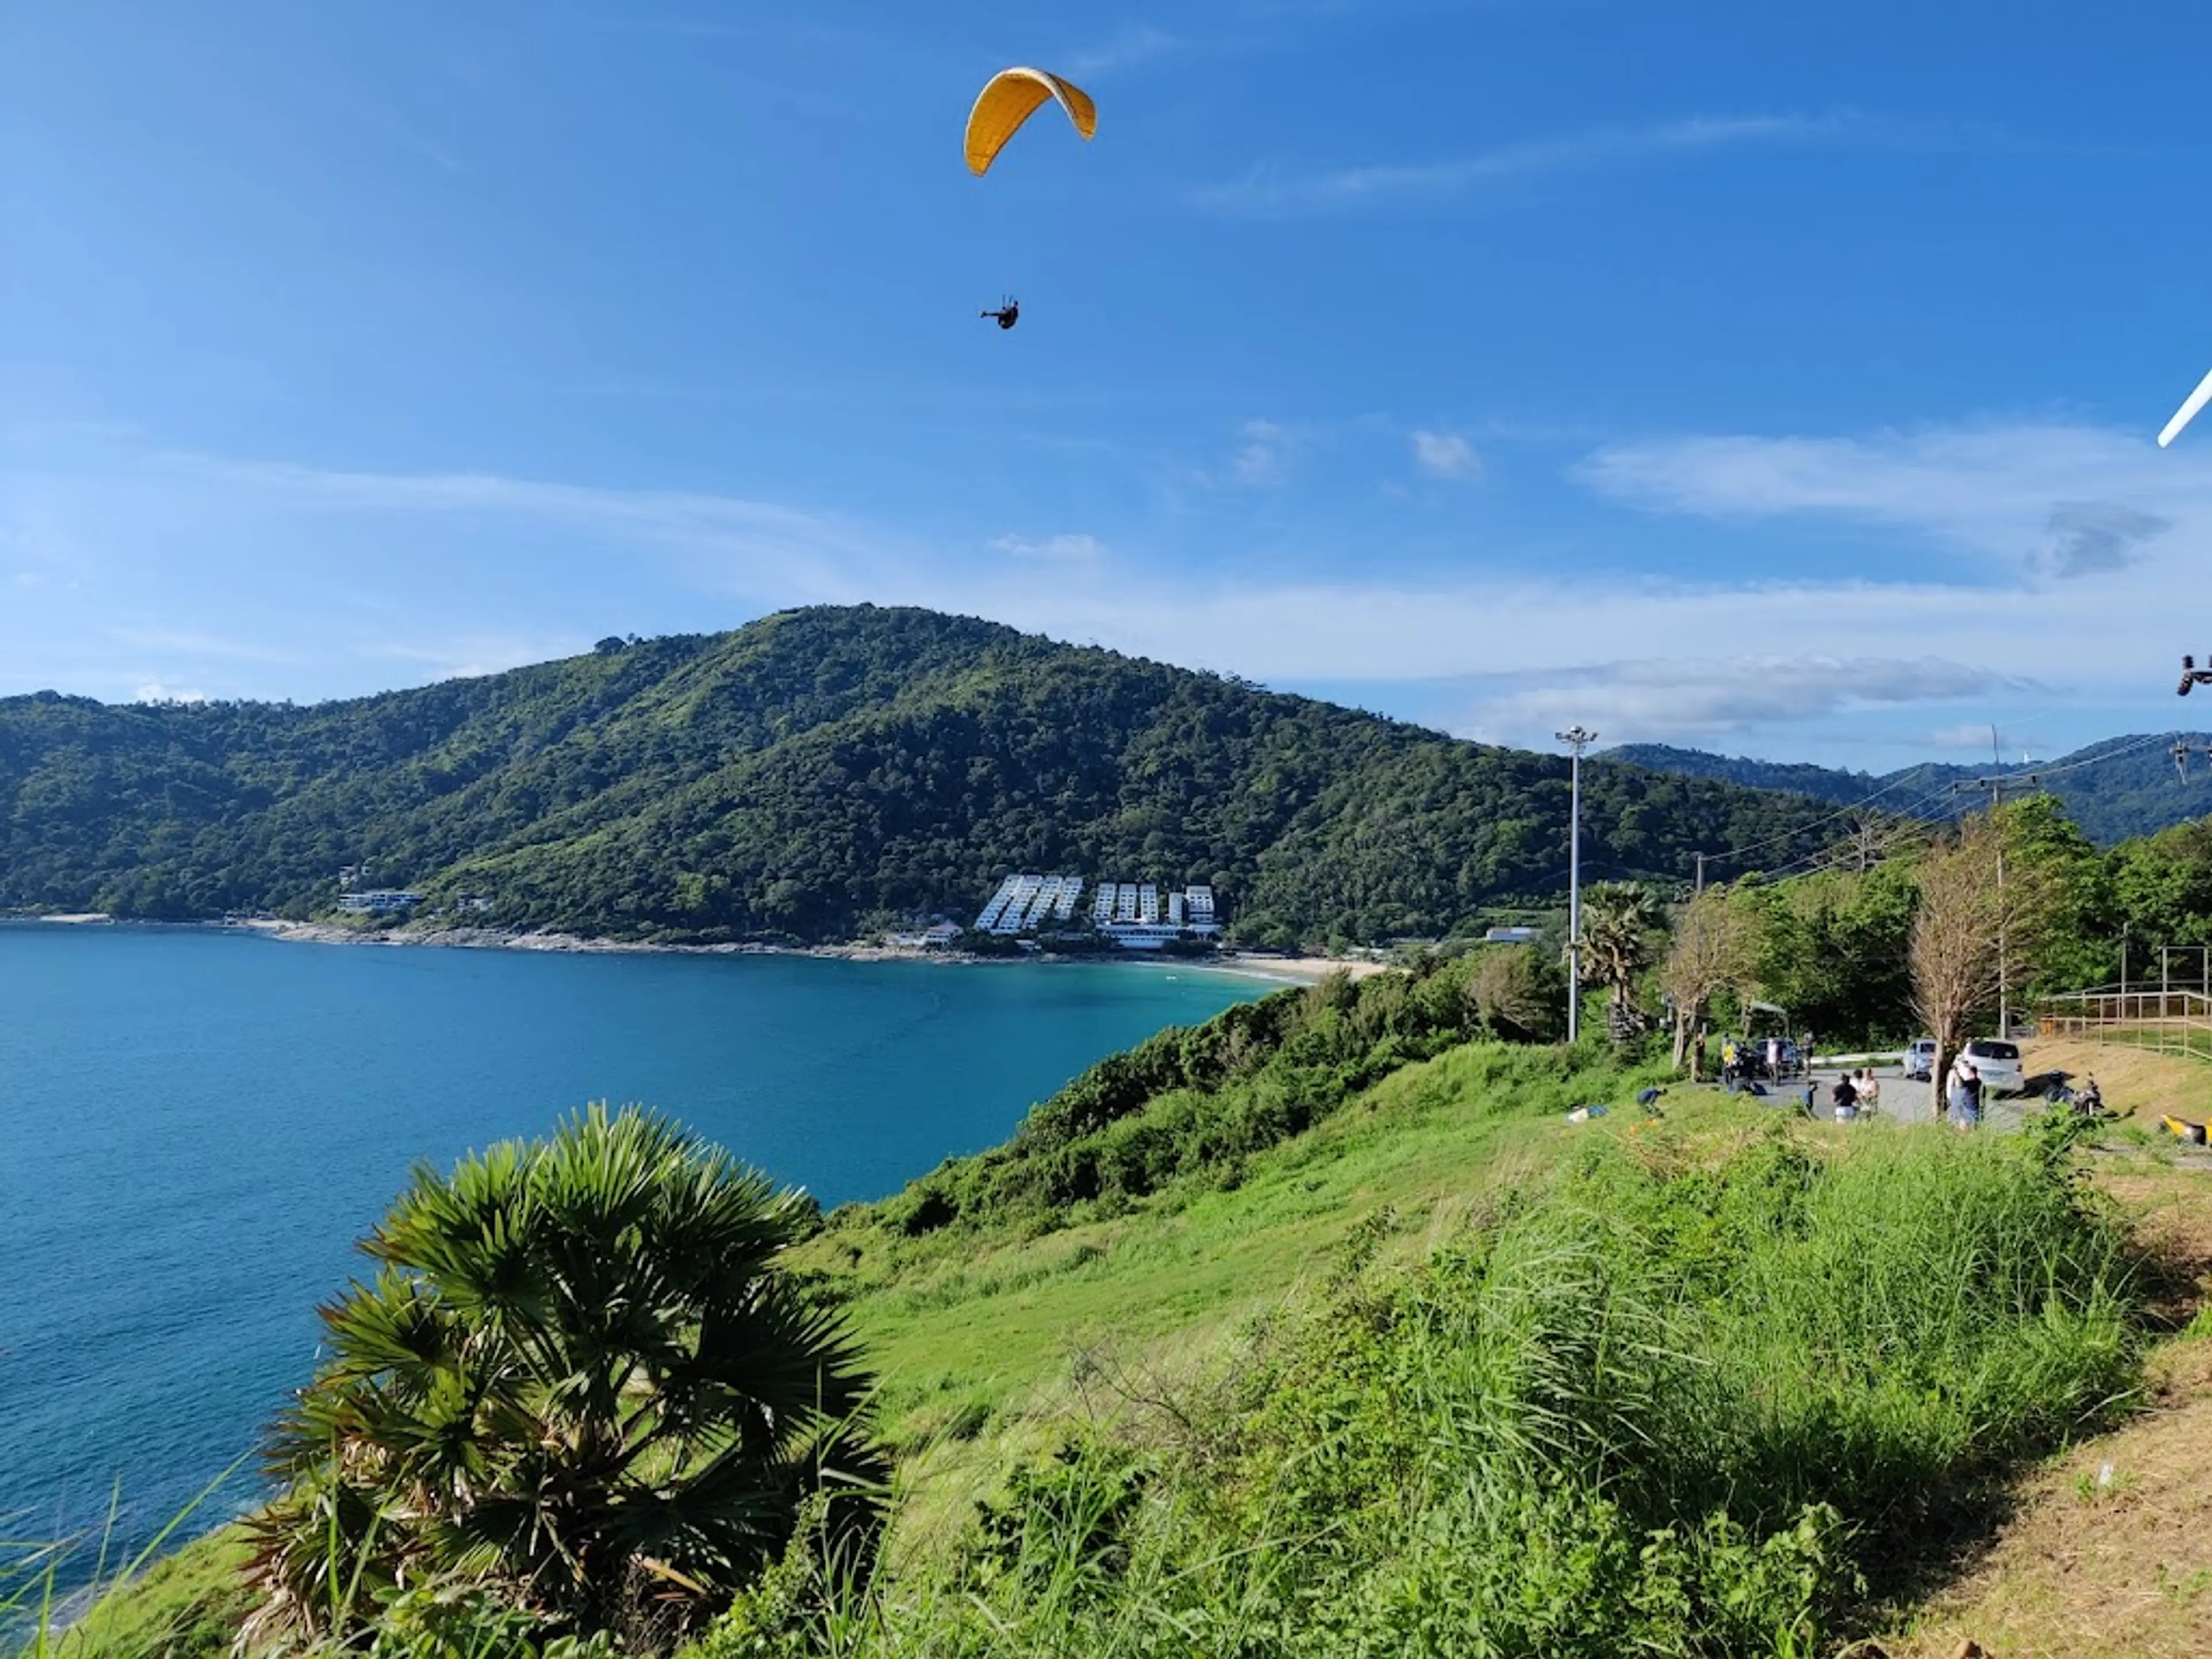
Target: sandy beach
x: 1291, y: 970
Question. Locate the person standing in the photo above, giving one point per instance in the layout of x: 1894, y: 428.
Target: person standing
x: 1965, y: 1094
x: 1869, y: 1090
x: 1698, y: 1057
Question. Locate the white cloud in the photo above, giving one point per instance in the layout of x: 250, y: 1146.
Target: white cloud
x: 1698, y: 700
x: 1270, y: 193
x: 1446, y: 455
x: 524, y: 569
x: 1054, y: 549
x: 155, y: 691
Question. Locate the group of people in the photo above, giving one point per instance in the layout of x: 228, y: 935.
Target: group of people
x: 1853, y: 1093
x: 1767, y: 1059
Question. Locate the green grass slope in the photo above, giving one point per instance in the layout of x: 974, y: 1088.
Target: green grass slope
x: 1446, y: 1373
x: 813, y: 772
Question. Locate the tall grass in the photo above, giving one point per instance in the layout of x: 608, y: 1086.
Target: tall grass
x: 53, y: 1603
x: 1679, y: 1400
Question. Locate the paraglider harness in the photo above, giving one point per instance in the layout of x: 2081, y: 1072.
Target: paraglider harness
x: 1007, y: 315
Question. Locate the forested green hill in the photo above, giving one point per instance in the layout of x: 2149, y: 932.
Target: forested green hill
x: 819, y: 771
x: 2114, y: 790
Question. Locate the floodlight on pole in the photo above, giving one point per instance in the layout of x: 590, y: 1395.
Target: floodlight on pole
x: 1578, y: 740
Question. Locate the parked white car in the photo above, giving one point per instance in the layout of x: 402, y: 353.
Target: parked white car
x: 1919, y: 1060
x: 1998, y: 1062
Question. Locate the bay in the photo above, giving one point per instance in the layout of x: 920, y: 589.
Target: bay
x: 196, y: 1126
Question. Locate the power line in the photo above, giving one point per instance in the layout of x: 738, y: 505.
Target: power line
x: 1927, y: 799
x: 1733, y: 854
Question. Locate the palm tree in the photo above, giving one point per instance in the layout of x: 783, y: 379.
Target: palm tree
x: 1618, y: 923
x: 580, y: 1384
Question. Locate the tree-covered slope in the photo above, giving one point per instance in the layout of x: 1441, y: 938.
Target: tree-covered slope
x: 817, y: 769
x: 2114, y: 790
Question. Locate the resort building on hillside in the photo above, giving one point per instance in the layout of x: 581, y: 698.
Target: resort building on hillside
x: 1136, y: 915
x: 378, y: 902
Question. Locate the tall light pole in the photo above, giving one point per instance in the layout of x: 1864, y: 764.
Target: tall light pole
x: 1576, y: 740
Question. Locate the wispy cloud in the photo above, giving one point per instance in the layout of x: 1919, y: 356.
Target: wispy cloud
x: 1054, y: 549
x: 816, y: 551
x: 1128, y: 46
x: 1265, y: 457
x: 436, y: 154
x: 2061, y: 500
x: 1271, y: 192
x: 1446, y: 455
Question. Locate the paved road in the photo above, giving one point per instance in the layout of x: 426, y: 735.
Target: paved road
x: 1902, y: 1101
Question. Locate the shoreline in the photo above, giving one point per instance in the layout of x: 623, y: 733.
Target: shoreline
x: 1283, y: 970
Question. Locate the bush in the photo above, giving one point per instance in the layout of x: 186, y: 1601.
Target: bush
x: 1668, y: 1403
x: 580, y: 1392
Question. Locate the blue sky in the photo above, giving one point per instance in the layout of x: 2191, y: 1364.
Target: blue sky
x: 1781, y: 380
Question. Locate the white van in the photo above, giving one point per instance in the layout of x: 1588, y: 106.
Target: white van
x: 1998, y: 1062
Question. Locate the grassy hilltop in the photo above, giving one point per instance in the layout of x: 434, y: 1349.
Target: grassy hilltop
x: 1319, y: 1329
x: 817, y: 772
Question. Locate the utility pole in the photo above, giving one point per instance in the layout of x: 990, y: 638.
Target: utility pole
x: 1994, y: 784
x: 1576, y: 740
x: 1701, y: 872
x: 2004, y: 975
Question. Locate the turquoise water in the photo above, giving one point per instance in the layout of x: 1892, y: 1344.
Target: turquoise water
x: 195, y: 1125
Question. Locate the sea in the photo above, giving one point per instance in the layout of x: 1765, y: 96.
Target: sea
x: 195, y: 1125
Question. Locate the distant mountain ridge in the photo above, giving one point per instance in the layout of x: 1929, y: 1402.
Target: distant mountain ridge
x: 2115, y: 790
x: 820, y: 773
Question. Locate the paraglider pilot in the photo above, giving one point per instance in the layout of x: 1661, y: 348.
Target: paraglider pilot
x: 1008, y: 314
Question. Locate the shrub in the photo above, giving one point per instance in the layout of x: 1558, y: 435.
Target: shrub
x: 579, y: 1388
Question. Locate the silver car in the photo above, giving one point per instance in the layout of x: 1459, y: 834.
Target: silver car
x: 1920, y: 1060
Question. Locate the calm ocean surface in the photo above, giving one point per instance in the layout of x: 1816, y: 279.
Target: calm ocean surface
x: 196, y: 1126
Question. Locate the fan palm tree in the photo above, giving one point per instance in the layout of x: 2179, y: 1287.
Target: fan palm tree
x: 579, y: 1383
x: 1618, y: 924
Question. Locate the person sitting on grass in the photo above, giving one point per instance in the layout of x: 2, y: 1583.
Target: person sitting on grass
x: 1844, y: 1098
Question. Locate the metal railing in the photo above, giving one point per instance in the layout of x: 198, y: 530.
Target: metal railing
x: 2165, y: 1021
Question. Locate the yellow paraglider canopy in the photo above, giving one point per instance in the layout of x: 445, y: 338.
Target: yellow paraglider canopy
x: 1010, y: 98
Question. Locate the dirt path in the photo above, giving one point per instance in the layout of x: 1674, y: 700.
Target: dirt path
x: 2109, y: 1553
